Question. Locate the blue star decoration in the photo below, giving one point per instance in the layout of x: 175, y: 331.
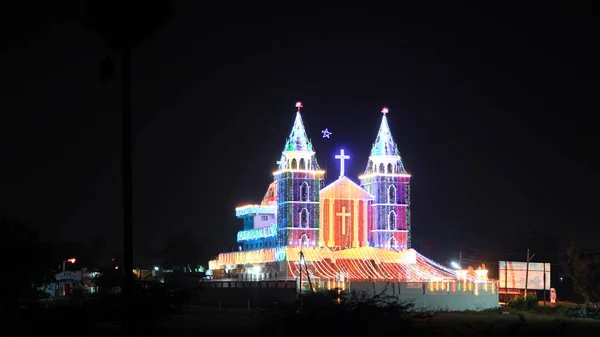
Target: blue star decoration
x: 326, y: 133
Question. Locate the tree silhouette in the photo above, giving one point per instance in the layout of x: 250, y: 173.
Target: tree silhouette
x: 27, y: 22
x: 28, y: 263
x: 585, y: 270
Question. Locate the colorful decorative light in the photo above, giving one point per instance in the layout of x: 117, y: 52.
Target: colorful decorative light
x: 387, y: 181
x: 326, y: 133
x: 345, y: 232
x: 257, y: 233
x: 342, y: 157
x: 254, y: 209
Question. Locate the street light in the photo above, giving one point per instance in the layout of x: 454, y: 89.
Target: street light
x: 455, y: 265
x: 65, y: 262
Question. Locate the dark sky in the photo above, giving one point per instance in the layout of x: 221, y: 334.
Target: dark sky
x: 493, y: 114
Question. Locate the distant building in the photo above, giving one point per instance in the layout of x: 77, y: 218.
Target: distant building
x: 72, y: 280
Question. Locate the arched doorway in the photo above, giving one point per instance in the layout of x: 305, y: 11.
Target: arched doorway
x: 392, y: 243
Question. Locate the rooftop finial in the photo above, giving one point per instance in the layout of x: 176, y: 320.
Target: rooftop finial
x: 384, y: 111
x: 298, y: 105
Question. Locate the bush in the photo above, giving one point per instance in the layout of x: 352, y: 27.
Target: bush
x: 334, y: 312
x: 580, y: 311
x: 530, y: 302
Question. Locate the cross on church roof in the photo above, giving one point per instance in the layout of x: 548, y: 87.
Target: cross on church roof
x: 385, y: 111
x: 298, y: 105
x: 342, y: 157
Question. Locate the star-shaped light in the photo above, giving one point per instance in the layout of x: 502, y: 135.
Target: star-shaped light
x: 326, y: 133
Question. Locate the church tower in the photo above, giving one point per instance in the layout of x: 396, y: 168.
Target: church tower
x: 387, y: 181
x: 298, y: 180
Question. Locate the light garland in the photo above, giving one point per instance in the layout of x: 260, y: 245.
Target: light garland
x: 254, y: 209
x: 344, y: 214
x: 355, y: 264
x: 345, y: 232
x: 297, y: 214
x: 257, y: 233
x: 387, y: 181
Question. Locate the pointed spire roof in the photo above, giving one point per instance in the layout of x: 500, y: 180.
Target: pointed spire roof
x: 298, y: 152
x: 384, y: 143
x: 298, y: 141
x: 385, y: 156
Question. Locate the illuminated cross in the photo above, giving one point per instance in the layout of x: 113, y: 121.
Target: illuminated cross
x: 344, y: 215
x: 298, y: 105
x: 342, y: 157
x: 384, y: 111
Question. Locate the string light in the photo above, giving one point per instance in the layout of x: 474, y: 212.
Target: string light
x: 254, y: 209
x: 326, y: 133
x: 257, y: 233
x: 387, y: 181
x: 345, y: 231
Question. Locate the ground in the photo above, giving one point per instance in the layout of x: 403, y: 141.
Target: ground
x: 437, y: 324
x: 235, y: 322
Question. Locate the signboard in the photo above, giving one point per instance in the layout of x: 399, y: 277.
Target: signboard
x: 539, y: 275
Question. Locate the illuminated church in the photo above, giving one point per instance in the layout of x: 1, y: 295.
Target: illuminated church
x: 340, y: 232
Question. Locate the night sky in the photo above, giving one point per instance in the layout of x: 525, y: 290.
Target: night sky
x: 493, y: 115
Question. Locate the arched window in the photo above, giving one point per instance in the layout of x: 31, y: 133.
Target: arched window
x: 304, y: 218
x: 381, y: 168
x: 392, y: 221
x: 389, y: 168
x: 304, y: 191
x: 392, y: 195
x: 302, y: 164
x: 294, y: 164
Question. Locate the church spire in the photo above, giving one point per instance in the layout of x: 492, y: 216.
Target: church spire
x: 387, y: 181
x: 385, y: 151
x: 298, y: 141
x: 384, y: 143
x: 298, y: 153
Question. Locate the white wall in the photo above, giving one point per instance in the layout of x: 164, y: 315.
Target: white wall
x: 260, y: 223
x: 436, y: 296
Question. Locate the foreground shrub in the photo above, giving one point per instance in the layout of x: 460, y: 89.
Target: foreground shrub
x: 581, y: 311
x: 530, y: 302
x: 337, y: 312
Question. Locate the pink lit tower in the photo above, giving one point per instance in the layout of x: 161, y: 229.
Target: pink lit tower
x: 299, y: 180
x: 387, y: 181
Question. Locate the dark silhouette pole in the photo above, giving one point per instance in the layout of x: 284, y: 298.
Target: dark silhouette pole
x: 127, y: 184
x: 124, y: 25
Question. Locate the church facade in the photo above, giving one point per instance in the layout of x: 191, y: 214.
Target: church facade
x: 343, y: 230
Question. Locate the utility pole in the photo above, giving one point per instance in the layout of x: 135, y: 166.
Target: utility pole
x: 527, y: 270
x: 506, y: 282
x: 300, y: 276
x: 460, y: 260
x: 127, y: 188
x: 544, y: 284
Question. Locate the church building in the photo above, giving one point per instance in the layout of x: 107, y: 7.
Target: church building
x: 340, y: 231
